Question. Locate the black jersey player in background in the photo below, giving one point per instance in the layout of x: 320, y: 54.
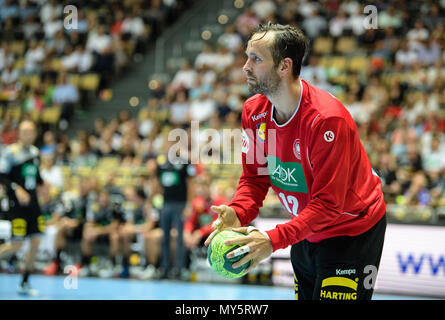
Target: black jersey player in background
x: 19, y: 173
x: 174, y: 177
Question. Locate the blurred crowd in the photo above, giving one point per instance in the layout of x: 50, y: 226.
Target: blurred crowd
x: 57, y: 54
x: 396, y: 97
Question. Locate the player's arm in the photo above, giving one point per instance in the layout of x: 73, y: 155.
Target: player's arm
x: 5, y: 179
x: 253, y: 184
x: 331, y: 162
x: 252, y: 187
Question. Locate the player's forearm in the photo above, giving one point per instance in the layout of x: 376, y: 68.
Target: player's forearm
x: 249, y: 197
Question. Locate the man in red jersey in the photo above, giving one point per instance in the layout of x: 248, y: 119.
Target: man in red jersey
x: 302, y: 142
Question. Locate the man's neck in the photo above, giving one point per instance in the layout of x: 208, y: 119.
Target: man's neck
x: 286, y: 101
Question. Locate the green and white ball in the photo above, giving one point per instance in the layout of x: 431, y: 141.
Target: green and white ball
x: 217, y: 255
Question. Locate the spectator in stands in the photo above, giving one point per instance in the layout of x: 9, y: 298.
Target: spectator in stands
x: 51, y: 9
x: 49, y: 142
x: 8, y: 10
x: 82, y: 23
x: 156, y: 15
x: 314, y: 25
x: 9, y: 132
x: 84, y: 157
x: 66, y: 96
x: 405, y: 56
x: 264, y: 8
x: 246, y: 22
x: 30, y: 27
x: 390, y: 18
x: 433, y: 19
x: 351, y: 7
x: 207, y: 57
x: 411, y: 158
x: 56, y: 45
x: 49, y: 171
x: 230, y: 38
x: 223, y: 58
x: 338, y: 24
x: 34, y: 57
x: 202, y: 108
x: 417, y: 194
x: 417, y: 35
x: 153, y: 234
x: 433, y: 159
x: 69, y: 219
x: 356, y: 18
x: 6, y: 55
x: 52, y: 26
x: 179, y: 109
x: 134, y: 219
x: 198, y: 226
x: 9, y: 77
x: 33, y: 101
x: 429, y: 52
x: 84, y: 60
x: 185, y: 77
x: 100, y: 44
x: 135, y: 27
x: 314, y: 70
x: 102, y: 221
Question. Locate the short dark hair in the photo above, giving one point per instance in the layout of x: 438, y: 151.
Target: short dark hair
x: 289, y: 42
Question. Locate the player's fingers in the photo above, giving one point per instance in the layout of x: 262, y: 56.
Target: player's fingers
x: 216, y: 223
x: 253, y: 264
x: 238, y: 240
x: 244, y: 260
x: 239, y: 251
x: 210, y: 237
x: 241, y: 230
x: 218, y: 209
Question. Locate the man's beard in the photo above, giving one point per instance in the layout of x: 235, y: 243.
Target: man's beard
x: 267, y: 86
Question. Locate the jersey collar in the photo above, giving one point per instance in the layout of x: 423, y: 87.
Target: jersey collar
x: 293, y: 115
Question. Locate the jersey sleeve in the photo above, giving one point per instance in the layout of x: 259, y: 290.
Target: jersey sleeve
x: 254, y: 182
x: 331, y: 157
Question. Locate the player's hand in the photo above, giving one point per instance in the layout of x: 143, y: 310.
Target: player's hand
x: 227, y: 218
x: 257, y: 244
x: 22, y: 195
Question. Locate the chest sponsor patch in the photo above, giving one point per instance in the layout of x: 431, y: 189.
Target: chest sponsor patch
x: 288, y: 176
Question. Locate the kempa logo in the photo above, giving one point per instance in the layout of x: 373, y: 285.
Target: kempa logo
x: 340, y: 272
x: 259, y: 116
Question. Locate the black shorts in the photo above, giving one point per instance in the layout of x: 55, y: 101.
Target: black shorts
x: 26, y: 221
x: 339, y: 268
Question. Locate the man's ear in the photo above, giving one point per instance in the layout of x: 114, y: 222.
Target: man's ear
x: 286, y: 66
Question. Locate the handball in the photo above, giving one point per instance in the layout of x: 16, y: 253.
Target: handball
x: 217, y: 255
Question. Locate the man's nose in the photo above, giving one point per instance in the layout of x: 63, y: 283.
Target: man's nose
x: 246, y: 67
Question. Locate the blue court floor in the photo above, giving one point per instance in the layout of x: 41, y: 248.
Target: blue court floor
x: 54, y: 288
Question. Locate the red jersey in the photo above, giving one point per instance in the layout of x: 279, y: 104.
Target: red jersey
x: 316, y: 165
